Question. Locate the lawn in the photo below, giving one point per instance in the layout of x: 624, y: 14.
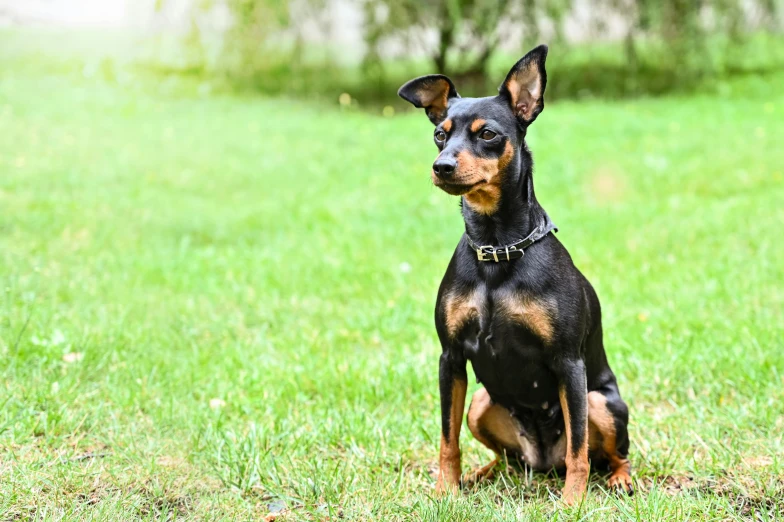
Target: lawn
x: 219, y: 307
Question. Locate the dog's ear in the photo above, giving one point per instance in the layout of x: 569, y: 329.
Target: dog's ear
x: 431, y: 93
x: 524, y: 86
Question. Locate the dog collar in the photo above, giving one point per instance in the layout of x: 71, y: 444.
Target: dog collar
x: 511, y: 251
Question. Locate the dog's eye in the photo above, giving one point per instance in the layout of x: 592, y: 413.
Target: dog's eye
x: 487, y: 135
x: 440, y: 136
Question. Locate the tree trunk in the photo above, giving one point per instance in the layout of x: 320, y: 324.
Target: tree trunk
x: 446, y: 36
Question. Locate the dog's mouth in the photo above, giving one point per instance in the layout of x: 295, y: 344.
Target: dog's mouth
x: 457, y: 189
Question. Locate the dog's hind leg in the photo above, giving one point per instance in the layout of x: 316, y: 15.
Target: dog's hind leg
x: 492, y: 425
x: 608, y: 417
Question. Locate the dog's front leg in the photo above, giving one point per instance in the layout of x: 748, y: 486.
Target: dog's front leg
x: 573, y: 395
x: 452, y: 385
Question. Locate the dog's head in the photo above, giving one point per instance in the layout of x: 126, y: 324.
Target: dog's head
x: 478, y: 138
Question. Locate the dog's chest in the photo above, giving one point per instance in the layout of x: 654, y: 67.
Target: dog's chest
x: 505, y: 335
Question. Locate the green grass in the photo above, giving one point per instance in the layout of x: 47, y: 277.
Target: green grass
x: 215, y: 307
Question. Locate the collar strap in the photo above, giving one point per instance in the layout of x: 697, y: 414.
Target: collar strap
x: 511, y: 251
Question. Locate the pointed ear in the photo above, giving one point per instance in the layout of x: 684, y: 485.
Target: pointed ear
x: 431, y: 93
x: 524, y: 86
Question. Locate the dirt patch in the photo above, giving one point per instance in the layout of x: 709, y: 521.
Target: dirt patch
x: 92, y: 474
x: 172, y: 506
x: 748, y: 502
x: 752, y: 487
x: 750, y: 495
x: 670, y: 484
x: 146, y: 500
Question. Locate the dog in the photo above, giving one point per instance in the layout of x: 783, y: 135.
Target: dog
x: 513, y: 303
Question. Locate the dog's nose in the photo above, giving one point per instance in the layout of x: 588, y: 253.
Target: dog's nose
x: 444, y: 168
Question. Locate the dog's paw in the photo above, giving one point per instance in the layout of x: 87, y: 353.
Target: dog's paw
x: 576, y: 485
x: 444, y: 488
x: 571, y: 497
x: 485, y: 472
x: 621, y: 482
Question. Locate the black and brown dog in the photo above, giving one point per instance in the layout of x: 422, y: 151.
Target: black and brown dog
x: 512, y: 302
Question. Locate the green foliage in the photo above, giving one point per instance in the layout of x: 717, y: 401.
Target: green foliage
x: 669, y: 45
x: 466, y: 29
x: 258, y: 30
x: 255, y: 23
x: 468, y: 32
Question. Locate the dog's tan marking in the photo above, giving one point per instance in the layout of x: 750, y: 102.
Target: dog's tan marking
x: 449, y: 455
x: 577, y: 466
x: 484, y: 198
x: 461, y: 308
x: 491, y: 424
x: 447, y: 125
x: 494, y: 426
x: 602, y: 423
x: 602, y: 437
x: 477, y: 124
x: 535, y: 314
x: 435, y: 97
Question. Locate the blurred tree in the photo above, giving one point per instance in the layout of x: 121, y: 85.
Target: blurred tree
x: 460, y: 36
x: 256, y: 28
x: 665, y: 44
x: 255, y: 21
